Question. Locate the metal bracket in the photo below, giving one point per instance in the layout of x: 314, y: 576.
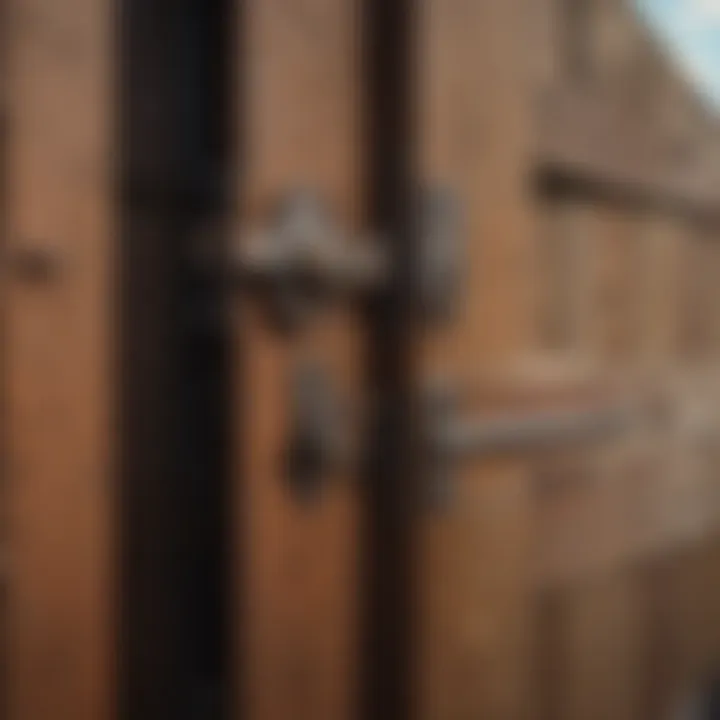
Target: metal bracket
x: 318, y: 444
x: 450, y: 439
x: 302, y: 261
x: 439, y: 408
x: 441, y: 261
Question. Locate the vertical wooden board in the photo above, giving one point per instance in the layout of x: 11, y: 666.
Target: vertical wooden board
x: 662, y: 451
x: 681, y: 610
x: 3, y: 438
x: 618, y: 299
x: 681, y: 607
x: 472, y: 563
x: 582, y: 516
x: 626, y: 469
x: 706, y: 629
x: 660, y: 690
x: 594, y: 652
x: 690, y: 613
x: 713, y: 308
x: 550, y: 300
x: 299, y: 127
x: 475, y: 139
x: 546, y: 37
x: 660, y: 291
x: 691, y: 300
x: 672, y: 672
x: 711, y: 598
x: 568, y: 274
x: 602, y: 650
x: 473, y: 622
x: 699, y: 285
x: 546, y: 682
x: 60, y: 651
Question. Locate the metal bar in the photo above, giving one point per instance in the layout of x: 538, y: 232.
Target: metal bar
x: 541, y: 430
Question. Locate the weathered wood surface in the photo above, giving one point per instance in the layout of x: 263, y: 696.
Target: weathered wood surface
x: 577, y: 584
x: 472, y: 560
x: 297, y: 563
x: 624, y: 535
x: 56, y: 366
x: 606, y: 279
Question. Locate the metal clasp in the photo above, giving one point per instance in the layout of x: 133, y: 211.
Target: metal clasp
x: 450, y: 438
x: 319, y: 442
x: 303, y: 261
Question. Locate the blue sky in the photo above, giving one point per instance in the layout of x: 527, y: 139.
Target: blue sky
x: 692, y: 28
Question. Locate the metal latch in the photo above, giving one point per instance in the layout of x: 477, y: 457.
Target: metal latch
x: 440, y: 237
x: 450, y: 438
x: 319, y: 442
x: 301, y: 262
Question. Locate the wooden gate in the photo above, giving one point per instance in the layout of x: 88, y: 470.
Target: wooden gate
x: 361, y: 360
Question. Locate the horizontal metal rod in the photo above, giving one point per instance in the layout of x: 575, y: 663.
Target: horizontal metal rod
x: 541, y: 430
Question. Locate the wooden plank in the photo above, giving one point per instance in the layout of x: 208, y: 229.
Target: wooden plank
x: 661, y: 261
x: 59, y: 330
x: 546, y: 660
x: 699, y: 288
x: 471, y: 566
x: 602, y: 644
x: 681, y: 600
x: 617, y: 302
x: 567, y: 278
x: 298, y: 90
x: 602, y: 648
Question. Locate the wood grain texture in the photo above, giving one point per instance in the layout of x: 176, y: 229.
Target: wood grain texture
x: 603, y: 644
x: 474, y: 136
x: 59, y: 90
x: 620, y: 531
x: 297, y: 564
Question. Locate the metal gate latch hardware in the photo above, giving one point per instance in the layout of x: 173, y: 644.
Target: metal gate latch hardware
x: 302, y: 261
x: 441, y: 260
x: 450, y: 439
x: 319, y: 442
